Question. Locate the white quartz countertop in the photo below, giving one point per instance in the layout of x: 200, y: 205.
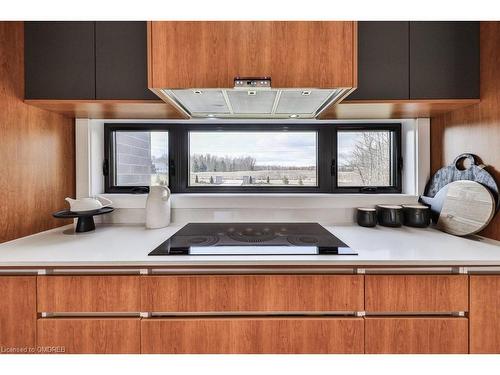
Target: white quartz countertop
x: 129, y: 245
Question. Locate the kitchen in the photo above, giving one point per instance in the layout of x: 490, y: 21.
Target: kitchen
x: 183, y: 193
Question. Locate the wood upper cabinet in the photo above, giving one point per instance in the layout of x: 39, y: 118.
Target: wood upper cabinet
x: 416, y: 293
x: 59, y: 60
x: 252, y: 293
x: 253, y: 335
x: 83, y: 294
x: 484, y: 314
x: 211, y: 54
x: 90, y: 335
x: 416, y: 335
x: 383, y: 61
x: 444, y: 60
x: 17, y: 313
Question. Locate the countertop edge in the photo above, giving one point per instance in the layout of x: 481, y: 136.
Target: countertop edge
x: 278, y: 263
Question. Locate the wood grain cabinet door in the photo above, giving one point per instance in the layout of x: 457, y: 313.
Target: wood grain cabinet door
x: 89, y: 335
x: 252, y: 335
x: 252, y: 293
x: 484, y: 314
x: 82, y: 294
x: 17, y: 314
x: 416, y: 293
x: 212, y: 54
x: 416, y: 335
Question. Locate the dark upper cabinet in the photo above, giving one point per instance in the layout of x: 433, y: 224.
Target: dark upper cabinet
x: 108, y: 60
x: 444, y: 60
x: 86, y: 60
x: 121, y: 61
x: 417, y: 60
x: 383, y: 59
x: 59, y: 60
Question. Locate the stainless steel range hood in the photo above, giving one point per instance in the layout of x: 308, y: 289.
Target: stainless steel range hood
x: 253, y: 98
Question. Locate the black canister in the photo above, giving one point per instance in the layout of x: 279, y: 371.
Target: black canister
x: 418, y: 216
x: 366, y: 217
x: 390, y: 215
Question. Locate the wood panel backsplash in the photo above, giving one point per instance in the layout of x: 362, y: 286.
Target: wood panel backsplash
x: 37, y: 149
x: 475, y: 129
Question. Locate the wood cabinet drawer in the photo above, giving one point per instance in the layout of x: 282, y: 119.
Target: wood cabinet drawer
x: 484, y: 314
x: 250, y: 293
x: 88, y: 294
x: 90, y: 335
x: 253, y: 335
x: 416, y: 293
x: 17, y: 313
x: 416, y: 335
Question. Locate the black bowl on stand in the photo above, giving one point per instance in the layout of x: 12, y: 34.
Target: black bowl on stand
x: 85, y: 221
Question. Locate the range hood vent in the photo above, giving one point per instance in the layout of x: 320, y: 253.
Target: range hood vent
x: 254, y: 98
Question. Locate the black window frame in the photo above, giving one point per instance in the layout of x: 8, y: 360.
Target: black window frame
x: 178, y: 147
x: 397, y: 160
x: 109, y: 155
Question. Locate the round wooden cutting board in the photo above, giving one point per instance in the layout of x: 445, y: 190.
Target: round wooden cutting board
x: 467, y: 208
x: 471, y: 171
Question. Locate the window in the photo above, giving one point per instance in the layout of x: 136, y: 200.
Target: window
x: 137, y: 159
x: 368, y: 159
x: 265, y: 157
x: 364, y: 158
x: 257, y: 159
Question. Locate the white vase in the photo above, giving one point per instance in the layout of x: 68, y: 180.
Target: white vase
x: 158, y: 207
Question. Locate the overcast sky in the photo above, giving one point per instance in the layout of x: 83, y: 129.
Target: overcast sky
x: 159, y: 144
x: 346, y: 142
x: 268, y: 148
x: 345, y: 145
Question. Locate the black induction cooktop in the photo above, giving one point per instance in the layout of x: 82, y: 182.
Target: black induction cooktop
x: 253, y: 239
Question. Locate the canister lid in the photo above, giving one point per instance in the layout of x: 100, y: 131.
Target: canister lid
x: 416, y: 206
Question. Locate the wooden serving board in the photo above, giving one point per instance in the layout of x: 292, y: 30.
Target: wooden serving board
x: 473, y: 172
x: 462, y: 207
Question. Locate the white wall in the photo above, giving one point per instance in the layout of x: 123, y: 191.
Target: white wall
x: 325, y: 208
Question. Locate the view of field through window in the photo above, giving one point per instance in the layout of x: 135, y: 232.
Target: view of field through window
x: 141, y: 158
x: 364, y: 158
x: 253, y: 158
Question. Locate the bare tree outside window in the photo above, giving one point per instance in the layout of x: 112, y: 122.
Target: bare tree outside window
x: 364, y: 158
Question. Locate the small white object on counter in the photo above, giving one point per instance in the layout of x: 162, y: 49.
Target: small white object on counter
x: 129, y: 245
x: 158, y: 207
x: 87, y: 204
